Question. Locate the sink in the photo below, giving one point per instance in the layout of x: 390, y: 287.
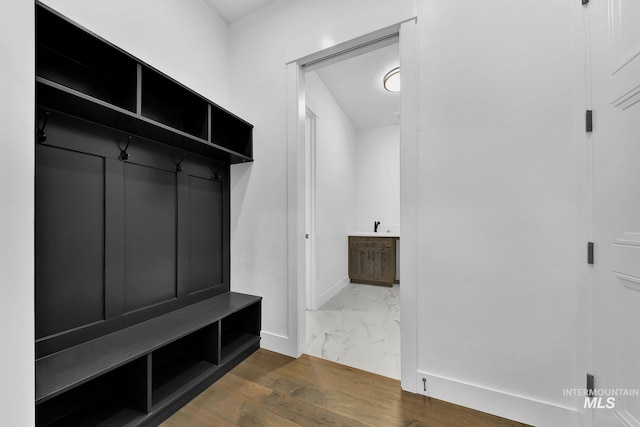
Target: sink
x: 372, y: 234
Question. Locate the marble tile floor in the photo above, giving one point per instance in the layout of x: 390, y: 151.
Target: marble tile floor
x: 359, y: 327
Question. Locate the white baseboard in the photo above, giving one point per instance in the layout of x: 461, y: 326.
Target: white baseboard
x: 274, y: 342
x: 502, y: 404
x: 327, y: 295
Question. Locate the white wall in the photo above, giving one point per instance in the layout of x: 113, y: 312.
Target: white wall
x: 497, y: 183
x: 258, y: 50
x: 378, y: 180
x: 497, y: 258
x: 498, y: 205
x: 336, y: 195
x: 16, y: 214
x: 186, y: 40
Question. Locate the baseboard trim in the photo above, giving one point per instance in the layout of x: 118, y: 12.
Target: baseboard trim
x: 330, y: 293
x: 502, y: 404
x: 274, y: 342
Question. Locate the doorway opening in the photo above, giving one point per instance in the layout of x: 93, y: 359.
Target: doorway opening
x: 405, y: 33
x: 352, y: 187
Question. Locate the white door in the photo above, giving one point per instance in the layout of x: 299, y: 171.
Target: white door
x: 615, y: 67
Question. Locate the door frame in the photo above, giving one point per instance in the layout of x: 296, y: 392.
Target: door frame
x: 310, y: 207
x: 384, y: 22
x: 585, y: 221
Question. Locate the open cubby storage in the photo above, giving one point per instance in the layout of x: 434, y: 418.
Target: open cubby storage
x: 114, y: 398
x: 134, y: 310
x: 183, y: 361
x: 167, y: 102
x: 76, y: 59
x: 237, y: 330
x: 139, y: 375
x: 233, y: 134
x: 79, y: 74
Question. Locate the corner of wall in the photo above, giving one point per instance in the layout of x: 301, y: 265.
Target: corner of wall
x: 330, y: 293
x: 17, y: 98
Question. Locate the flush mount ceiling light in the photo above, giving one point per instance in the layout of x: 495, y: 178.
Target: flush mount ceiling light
x: 391, y: 80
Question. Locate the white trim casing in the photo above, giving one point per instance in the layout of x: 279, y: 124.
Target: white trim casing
x: 274, y: 342
x: 507, y: 405
x: 330, y: 293
x: 296, y: 257
x: 409, y: 186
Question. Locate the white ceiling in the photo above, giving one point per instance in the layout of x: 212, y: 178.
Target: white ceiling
x: 232, y: 10
x: 356, y: 84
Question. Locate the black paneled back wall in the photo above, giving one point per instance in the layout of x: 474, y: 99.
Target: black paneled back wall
x: 118, y: 241
x: 132, y: 189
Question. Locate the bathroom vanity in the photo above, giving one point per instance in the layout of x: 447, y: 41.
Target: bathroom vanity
x: 372, y: 258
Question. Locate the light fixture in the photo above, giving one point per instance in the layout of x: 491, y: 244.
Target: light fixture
x: 391, y: 80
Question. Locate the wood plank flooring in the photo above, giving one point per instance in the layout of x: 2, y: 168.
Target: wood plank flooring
x: 270, y: 389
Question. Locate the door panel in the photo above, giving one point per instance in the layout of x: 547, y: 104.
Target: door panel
x: 382, y: 262
x: 615, y: 56
x: 358, y: 259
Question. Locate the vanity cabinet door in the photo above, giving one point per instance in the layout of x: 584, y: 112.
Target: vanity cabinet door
x: 359, y: 262
x: 372, y: 260
x: 382, y: 260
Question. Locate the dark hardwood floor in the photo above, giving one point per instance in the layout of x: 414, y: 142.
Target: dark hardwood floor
x: 269, y: 389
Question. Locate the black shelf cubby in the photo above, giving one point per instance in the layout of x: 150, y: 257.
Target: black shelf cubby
x: 176, y: 365
x: 116, y: 398
x: 232, y: 133
x: 238, y: 330
x: 141, y: 374
x: 74, y: 58
x: 171, y: 104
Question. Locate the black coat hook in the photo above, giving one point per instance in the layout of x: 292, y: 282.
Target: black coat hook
x: 216, y: 174
x: 41, y: 136
x: 123, y: 153
x: 179, y: 167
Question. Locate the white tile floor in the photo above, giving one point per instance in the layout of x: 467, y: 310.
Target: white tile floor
x: 359, y: 327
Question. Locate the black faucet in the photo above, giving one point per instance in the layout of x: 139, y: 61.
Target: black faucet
x: 375, y: 226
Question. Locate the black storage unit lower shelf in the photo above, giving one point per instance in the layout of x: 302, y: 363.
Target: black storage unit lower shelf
x: 106, y: 400
x: 140, y: 375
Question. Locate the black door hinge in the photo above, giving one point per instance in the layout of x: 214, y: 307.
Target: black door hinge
x: 585, y: 1
x: 590, y: 253
x: 591, y: 385
x: 589, y: 119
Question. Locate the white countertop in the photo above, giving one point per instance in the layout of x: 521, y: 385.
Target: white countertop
x: 372, y: 234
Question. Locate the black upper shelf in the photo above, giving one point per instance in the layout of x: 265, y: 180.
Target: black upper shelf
x: 81, y: 75
x: 54, y: 97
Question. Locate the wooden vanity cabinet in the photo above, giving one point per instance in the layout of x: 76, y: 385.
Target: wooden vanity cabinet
x: 372, y: 260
